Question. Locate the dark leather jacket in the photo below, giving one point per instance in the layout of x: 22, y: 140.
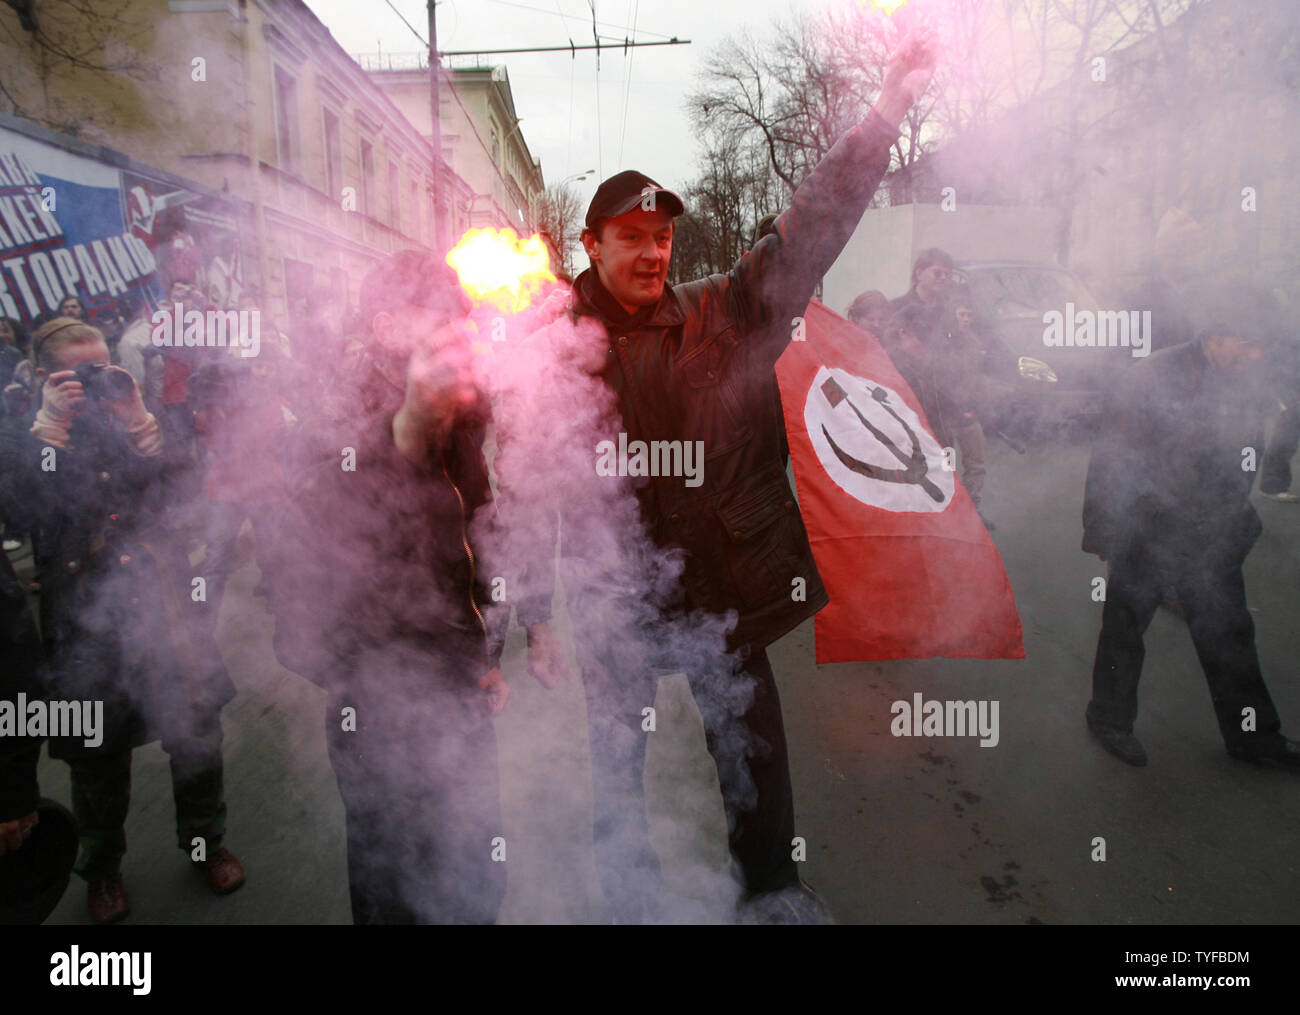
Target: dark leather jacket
x: 699, y: 366
x: 1165, y: 484
x: 378, y: 559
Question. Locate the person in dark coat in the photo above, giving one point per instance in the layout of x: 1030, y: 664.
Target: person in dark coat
x: 945, y: 374
x: 382, y: 601
x: 1166, y: 506
x: 22, y: 673
x: 112, y: 618
x: 694, y: 362
x: 38, y: 837
x: 931, y: 280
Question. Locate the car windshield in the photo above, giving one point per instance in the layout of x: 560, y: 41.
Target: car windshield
x: 1025, y: 290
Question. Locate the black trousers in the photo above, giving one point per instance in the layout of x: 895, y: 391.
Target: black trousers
x: 746, y: 737
x: 419, y: 783
x: 101, y: 796
x: 1213, y: 599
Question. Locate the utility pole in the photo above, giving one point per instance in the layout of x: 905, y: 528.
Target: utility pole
x: 435, y: 116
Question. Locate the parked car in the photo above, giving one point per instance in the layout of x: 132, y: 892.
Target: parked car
x: 1037, y: 390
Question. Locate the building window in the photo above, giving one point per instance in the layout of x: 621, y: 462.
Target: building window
x: 333, y: 156
x: 394, y: 197
x: 286, y: 120
x: 367, y: 176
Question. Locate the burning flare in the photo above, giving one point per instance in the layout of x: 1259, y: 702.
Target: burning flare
x: 498, y: 267
x: 888, y: 6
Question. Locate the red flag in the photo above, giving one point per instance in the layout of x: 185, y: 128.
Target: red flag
x: 910, y: 568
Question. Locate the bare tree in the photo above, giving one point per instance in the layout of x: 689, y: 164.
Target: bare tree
x: 794, y: 92
x: 1063, y: 56
x: 723, y: 207
x: 767, y: 109
x: 1018, y: 85
x: 67, y: 41
x: 735, y: 103
x: 559, y: 215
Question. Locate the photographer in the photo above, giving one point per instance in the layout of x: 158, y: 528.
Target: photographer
x: 87, y: 472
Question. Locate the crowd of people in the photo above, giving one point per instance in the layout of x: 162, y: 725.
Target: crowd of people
x: 357, y: 455
x: 1183, y: 438
x: 932, y: 338
x: 106, y: 441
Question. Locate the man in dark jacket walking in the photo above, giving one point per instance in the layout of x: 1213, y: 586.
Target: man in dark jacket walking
x: 1166, y: 507
x: 694, y: 362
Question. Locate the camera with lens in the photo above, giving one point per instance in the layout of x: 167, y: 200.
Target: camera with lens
x: 102, y: 383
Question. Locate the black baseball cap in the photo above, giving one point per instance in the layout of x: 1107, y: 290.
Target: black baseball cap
x: 626, y: 190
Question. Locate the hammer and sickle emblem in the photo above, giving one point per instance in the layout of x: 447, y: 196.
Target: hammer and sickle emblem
x: 914, y: 470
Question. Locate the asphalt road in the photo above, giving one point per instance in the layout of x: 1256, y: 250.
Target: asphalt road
x: 898, y: 830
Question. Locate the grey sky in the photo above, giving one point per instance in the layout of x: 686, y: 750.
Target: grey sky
x: 657, y: 138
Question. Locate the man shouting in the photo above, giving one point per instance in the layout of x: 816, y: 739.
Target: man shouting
x: 695, y: 363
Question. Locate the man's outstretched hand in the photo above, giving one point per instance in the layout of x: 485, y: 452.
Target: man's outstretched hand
x: 907, y: 76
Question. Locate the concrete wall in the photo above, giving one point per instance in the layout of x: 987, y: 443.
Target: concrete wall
x: 880, y: 252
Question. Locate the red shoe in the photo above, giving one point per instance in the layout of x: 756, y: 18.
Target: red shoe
x: 224, y: 871
x: 107, y: 899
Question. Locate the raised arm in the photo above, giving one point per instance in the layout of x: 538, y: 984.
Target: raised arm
x: 774, y: 281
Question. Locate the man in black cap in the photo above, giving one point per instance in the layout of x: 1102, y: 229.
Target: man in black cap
x: 1167, y: 506
x: 695, y: 362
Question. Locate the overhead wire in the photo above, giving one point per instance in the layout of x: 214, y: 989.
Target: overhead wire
x: 423, y: 41
x: 433, y: 69
x: 627, y: 85
x: 603, y: 24
x: 573, y: 70
x: 600, y: 149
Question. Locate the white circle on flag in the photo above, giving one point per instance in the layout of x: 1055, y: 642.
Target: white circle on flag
x: 884, y: 457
